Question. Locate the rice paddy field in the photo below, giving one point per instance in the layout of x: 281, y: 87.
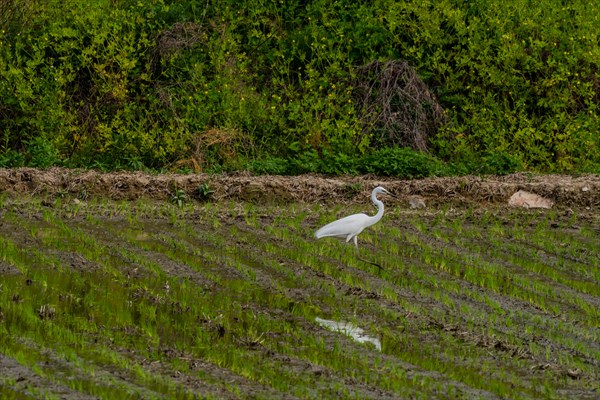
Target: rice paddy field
x: 231, y: 299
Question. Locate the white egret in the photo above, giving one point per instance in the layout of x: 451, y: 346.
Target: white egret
x: 351, y: 226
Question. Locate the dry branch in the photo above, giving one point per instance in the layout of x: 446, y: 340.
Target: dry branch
x: 396, y: 105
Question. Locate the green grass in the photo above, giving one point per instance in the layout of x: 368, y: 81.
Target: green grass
x: 118, y: 300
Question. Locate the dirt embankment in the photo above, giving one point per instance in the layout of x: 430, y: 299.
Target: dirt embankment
x: 563, y: 190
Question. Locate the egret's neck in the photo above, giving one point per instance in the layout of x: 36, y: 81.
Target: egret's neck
x: 379, y: 205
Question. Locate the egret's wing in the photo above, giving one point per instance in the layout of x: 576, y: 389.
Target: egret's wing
x: 350, y: 225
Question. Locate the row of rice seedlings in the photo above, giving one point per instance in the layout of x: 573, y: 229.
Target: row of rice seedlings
x: 568, y: 297
x: 9, y: 390
x: 263, y: 299
x: 570, y: 247
x: 386, y: 247
x: 112, y: 310
x: 467, y: 267
x: 173, y: 329
x: 560, y: 335
x: 499, y: 327
x: 33, y: 310
x: 60, y: 366
x: 552, y: 294
x: 271, y: 301
x: 343, y: 364
x: 494, y: 274
x: 516, y: 244
x: 268, y: 301
x: 253, y: 221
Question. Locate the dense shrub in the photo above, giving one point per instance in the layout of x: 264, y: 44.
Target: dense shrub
x: 516, y: 78
x: 215, y: 84
x: 403, y: 163
x: 390, y: 161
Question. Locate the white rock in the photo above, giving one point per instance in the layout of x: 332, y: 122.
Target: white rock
x: 416, y: 203
x: 529, y: 200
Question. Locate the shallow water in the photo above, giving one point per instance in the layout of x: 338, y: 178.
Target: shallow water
x: 347, y: 328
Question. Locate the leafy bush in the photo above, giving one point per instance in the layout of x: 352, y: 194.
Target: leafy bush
x: 514, y: 76
x: 402, y: 162
x: 147, y: 84
x: 397, y: 162
x: 11, y: 159
x: 42, y: 153
x: 270, y: 166
x: 501, y: 164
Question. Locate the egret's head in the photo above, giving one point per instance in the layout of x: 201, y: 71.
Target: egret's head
x: 381, y: 189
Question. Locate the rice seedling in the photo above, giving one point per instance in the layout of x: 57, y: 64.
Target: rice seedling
x: 205, y: 300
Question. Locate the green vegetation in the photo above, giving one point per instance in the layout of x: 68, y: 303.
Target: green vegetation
x: 292, y: 87
x: 202, y: 300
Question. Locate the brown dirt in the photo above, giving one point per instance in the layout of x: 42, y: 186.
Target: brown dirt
x: 565, y: 191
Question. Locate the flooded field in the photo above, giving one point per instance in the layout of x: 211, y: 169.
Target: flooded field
x: 149, y: 299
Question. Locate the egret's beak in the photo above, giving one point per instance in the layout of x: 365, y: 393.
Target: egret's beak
x: 391, y: 194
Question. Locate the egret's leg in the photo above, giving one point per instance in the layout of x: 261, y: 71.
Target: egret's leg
x: 362, y: 259
x: 345, y: 245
